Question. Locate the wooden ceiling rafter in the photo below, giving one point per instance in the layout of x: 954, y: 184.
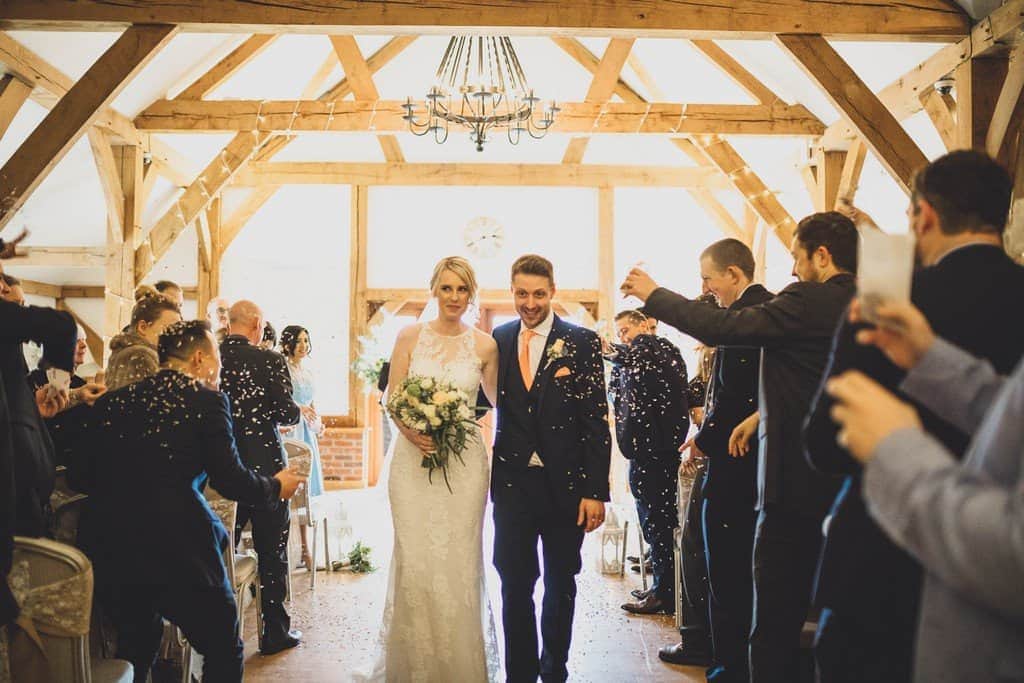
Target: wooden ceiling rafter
x: 602, y: 87
x: 858, y: 19
x: 75, y: 113
x: 227, y: 67
x: 209, y: 184
x: 941, y: 109
x: 649, y: 118
x: 736, y: 72
x: 13, y: 93
x: 357, y: 71
x: 470, y: 174
x: 879, y: 128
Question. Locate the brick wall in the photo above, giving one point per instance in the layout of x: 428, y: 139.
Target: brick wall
x: 343, y: 456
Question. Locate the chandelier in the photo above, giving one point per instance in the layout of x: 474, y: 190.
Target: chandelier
x: 480, y: 84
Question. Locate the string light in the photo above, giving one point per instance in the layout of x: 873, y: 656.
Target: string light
x: 644, y: 119
x: 682, y: 116
x: 597, y: 120
x: 373, y: 115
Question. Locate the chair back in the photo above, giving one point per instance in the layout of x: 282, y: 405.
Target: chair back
x: 227, y: 511
x: 66, y: 505
x: 53, y: 583
x: 300, y: 461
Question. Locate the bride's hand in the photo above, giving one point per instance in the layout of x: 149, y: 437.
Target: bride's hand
x: 421, y: 441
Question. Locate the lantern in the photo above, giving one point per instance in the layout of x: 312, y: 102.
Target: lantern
x: 612, y: 559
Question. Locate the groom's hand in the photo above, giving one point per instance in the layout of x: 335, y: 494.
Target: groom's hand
x: 591, y: 514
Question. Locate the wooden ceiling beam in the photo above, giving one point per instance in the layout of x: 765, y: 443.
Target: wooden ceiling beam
x: 45, y: 146
x: 227, y: 67
x: 999, y: 31
x: 602, y: 86
x: 1008, y: 106
x: 357, y: 71
x: 208, y: 185
x: 857, y: 19
x: 656, y: 118
x: 941, y: 109
x: 853, y: 164
x: 589, y: 61
x: 60, y: 257
x: 739, y: 74
x: 465, y: 174
x: 897, y: 151
x: 13, y: 93
x: 232, y: 227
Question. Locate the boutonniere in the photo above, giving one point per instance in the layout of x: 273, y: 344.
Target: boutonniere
x: 556, y: 350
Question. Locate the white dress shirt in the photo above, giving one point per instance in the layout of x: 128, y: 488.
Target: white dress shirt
x: 537, y: 344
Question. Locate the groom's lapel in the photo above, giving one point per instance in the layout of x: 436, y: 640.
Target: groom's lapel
x: 540, y: 382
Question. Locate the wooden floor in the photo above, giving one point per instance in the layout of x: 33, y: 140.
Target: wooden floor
x: 340, y: 618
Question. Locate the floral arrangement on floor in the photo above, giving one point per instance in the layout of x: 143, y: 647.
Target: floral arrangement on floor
x: 358, y: 560
x: 441, y: 411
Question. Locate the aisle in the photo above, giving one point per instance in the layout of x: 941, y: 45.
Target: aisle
x: 339, y: 620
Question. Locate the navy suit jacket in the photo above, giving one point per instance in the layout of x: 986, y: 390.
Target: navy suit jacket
x: 144, y: 455
x: 565, y: 419
x: 260, y: 388
x: 649, y: 390
x: 794, y: 330
x: 971, y: 298
x: 733, y: 397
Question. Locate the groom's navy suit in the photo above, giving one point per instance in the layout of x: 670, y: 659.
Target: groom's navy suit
x: 563, y: 418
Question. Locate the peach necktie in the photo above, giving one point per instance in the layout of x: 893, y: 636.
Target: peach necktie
x: 524, y: 358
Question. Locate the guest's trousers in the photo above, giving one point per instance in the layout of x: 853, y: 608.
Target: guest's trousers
x: 523, y: 513
x: 653, y: 485
x: 729, y: 541
x: 786, y: 549
x: 270, y: 538
x: 206, y: 615
x: 694, y: 571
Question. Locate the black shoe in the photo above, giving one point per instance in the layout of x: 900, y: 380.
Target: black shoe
x: 687, y: 654
x: 632, y: 559
x: 650, y: 605
x: 640, y: 594
x: 271, y: 646
x: 648, y: 569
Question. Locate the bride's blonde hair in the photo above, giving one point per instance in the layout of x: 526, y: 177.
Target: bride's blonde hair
x: 462, y: 269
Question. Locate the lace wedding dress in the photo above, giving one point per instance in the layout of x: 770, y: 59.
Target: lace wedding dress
x: 438, y: 626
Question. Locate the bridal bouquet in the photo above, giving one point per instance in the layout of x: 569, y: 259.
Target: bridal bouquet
x: 441, y: 411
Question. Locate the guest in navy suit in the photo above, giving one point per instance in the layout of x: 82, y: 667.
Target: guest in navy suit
x: 651, y: 421
x: 549, y: 479
x: 145, y: 453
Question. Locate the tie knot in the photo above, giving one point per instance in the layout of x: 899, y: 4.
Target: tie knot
x: 529, y: 335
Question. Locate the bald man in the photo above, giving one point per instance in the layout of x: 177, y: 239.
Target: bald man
x: 260, y: 389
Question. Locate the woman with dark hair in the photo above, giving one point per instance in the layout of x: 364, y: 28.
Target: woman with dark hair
x: 133, y: 353
x: 295, y: 346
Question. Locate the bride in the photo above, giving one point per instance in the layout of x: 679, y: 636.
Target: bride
x: 437, y: 623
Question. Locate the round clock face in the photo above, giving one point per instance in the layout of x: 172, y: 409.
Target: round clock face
x: 483, y: 236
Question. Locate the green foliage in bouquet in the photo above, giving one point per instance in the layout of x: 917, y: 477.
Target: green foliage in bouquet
x: 441, y: 411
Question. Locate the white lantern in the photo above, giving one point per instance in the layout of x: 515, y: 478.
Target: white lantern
x: 612, y: 558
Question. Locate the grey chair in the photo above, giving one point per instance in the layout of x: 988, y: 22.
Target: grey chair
x: 311, y: 516
x: 54, y: 583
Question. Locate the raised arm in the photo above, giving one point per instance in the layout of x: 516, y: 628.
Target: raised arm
x: 228, y: 475
x: 54, y: 330
x: 762, y: 325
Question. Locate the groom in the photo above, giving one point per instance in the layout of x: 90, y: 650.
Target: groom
x: 550, y: 473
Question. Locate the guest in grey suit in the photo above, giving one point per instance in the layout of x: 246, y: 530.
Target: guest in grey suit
x: 963, y: 521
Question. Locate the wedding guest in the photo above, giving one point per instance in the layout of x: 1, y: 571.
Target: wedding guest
x: 260, y: 389
x: 296, y: 347
x: 867, y: 586
x: 26, y: 452
x: 171, y: 290
x: 794, y: 330
x: 14, y: 291
x: 961, y: 518
x: 156, y: 547
x: 730, y: 484
x: 649, y: 397
x: 217, y: 314
x: 269, y: 336
x: 133, y: 353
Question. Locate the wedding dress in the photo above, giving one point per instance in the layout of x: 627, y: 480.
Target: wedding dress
x: 438, y: 626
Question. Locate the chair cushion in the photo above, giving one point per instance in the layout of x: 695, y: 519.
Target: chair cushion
x: 245, y: 569
x: 111, y: 671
